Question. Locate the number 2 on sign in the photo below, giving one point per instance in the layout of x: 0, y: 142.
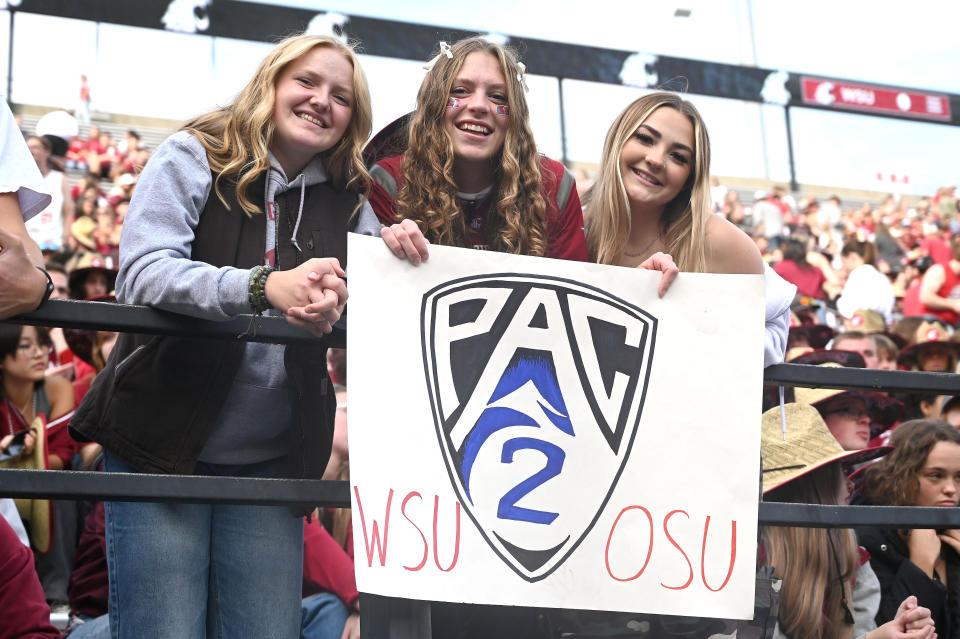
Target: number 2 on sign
x: 555, y: 457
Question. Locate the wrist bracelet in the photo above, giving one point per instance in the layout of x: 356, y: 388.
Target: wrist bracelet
x: 49, y: 289
x: 257, y: 287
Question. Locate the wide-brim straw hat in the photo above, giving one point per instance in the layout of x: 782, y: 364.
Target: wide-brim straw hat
x: 867, y: 320
x: 35, y: 512
x: 819, y: 357
x: 806, y: 446
x: 927, y: 335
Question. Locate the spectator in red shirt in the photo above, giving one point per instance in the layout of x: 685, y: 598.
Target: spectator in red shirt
x: 795, y: 269
x: 22, y: 607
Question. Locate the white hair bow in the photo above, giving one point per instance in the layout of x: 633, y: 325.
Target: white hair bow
x: 444, y: 50
x: 522, y: 76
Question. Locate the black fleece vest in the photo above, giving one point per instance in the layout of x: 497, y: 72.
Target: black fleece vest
x: 157, y: 400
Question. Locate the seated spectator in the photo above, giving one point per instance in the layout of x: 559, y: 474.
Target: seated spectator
x: 940, y: 287
x: 829, y: 588
x: 27, y: 395
x: 922, y: 470
x: 104, y: 157
x: 331, y: 602
x: 50, y: 228
x: 853, y: 417
x: 914, y: 272
x: 886, y: 349
x: 858, y: 342
x: 88, y: 588
x: 88, y: 181
x: 23, y: 609
x: 932, y: 350
x: 907, y: 327
x: 950, y: 411
x: 91, y: 275
x: 123, y: 188
x: 866, y: 287
x: 794, y: 268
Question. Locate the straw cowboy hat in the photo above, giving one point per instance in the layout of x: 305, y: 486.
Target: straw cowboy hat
x: 929, y: 334
x: 885, y: 411
x: 868, y: 321
x: 35, y: 513
x: 806, y: 446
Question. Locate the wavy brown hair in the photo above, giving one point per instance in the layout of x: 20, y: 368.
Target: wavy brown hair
x: 895, y: 479
x: 518, y: 214
x: 815, y: 564
x: 683, y: 225
x: 238, y: 137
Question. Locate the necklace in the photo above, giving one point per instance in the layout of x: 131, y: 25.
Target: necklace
x: 645, y: 248
x: 32, y: 403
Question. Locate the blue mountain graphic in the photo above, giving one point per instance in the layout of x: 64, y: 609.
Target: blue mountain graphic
x: 530, y: 388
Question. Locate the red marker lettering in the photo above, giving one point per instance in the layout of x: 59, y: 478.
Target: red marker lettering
x: 677, y: 546
x: 403, y: 511
x: 374, y: 539
x: 703, y: 555
x: 606, y: 554
x: 456, y: 546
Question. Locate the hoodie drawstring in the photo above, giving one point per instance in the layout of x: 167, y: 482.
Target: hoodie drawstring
x: 296, y: 227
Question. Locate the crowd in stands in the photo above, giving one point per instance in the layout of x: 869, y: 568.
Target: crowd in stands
x: 878, y: 287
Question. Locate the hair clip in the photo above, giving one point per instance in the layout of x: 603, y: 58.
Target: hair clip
x: 444, y: 50
x: 522, y: 77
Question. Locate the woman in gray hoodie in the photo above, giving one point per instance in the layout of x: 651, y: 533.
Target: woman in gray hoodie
x: 245, y: 210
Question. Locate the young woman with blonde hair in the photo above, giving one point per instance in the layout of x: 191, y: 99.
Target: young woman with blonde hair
x: 470, y: 174
x: 829, y: 590
x: 649, y: 206
x: 245, y: 210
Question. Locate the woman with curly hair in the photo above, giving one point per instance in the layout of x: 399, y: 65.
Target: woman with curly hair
x: 470, y: 175
x: 246, y: 210
x: 650, y: 207
x: 922, y: 470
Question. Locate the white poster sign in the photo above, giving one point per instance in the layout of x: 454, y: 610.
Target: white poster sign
x: 527, y: 431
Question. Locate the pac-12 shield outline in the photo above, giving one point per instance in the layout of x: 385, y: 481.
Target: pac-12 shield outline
x: 620, y: 435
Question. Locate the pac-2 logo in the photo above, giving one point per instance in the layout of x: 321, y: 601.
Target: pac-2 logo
x: 537, y: 385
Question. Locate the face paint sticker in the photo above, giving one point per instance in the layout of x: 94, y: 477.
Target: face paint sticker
x: 452, y: 103
x: 503, y: 109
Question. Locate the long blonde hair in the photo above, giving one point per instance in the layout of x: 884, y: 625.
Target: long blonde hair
x: 815, y: 564
x: 238, y: 137
x: 684, y: 220
x: 518, y: 215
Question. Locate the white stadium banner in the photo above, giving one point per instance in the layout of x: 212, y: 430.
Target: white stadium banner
x: 536, y: 432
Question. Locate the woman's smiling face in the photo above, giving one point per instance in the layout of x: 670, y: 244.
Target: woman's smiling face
x: 656, y: 161
x: 473, y: 122
x: 313, y: 107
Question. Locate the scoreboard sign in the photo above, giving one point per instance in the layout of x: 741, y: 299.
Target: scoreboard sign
x: 870, y: 99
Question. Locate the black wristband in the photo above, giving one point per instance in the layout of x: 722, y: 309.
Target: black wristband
x: 50, y: 287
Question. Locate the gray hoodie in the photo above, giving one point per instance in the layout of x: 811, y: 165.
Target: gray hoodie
x: 156, y: 270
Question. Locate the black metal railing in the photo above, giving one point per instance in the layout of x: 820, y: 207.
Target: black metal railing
x: 384, y: 616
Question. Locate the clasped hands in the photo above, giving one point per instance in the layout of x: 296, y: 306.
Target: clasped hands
x: 311, y: 296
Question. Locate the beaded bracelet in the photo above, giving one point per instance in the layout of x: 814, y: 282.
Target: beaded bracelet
x: 257, y: 287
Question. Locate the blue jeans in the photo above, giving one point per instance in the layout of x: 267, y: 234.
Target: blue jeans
x: 92, y: 628
x: 190, y: 571
x: 324, y: 616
